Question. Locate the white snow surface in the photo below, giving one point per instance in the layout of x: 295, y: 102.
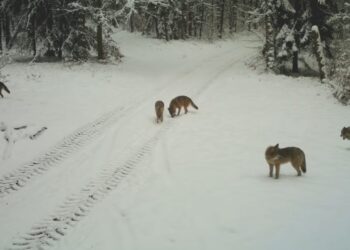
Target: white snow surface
x: 195, y: 182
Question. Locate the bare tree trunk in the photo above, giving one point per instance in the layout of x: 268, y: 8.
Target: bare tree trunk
x: 1, y: 22
x: 99, y: 35
x: 183, y: 21
x: 318, y: 51
x: 222, y: 15
x: 132, y: 26
x: 298, y: 6
x: 99, y: 39
x: 256, y: 5
x: 233, y: 16
x: 243, y: 14
x: 164, y: 20
x: 7, y: 30
x: 269, y: 43
x: 295, y: 68
x: 190, y: 23
x: 212, y: 19
x: 249, y: 7
x: 202, y: 20
x: 31, y: 33
x: 156, y: 27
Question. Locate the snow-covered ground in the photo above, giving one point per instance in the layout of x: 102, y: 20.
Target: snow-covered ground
x: 105, y: 176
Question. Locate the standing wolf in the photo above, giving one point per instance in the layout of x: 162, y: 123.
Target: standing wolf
x: 178, y: 103
x: 345, y: 133
x: 3, y: 87
x: 159, y: 107
x: 276, y: 156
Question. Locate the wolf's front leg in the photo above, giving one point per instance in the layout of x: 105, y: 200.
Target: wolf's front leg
x: 178, y: 112
x: 277, y: 174
x: 271, y: 170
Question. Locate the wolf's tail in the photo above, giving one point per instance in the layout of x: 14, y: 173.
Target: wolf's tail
x: 303, y: 165
x: 194, y: 105
x: 5, y: 88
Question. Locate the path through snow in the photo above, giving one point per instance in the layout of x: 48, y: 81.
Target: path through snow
x: 198, y: 181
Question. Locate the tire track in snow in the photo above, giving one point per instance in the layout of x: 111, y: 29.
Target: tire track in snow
x: 210, y: 81
x: 18, y: 178
x: 77, y: 206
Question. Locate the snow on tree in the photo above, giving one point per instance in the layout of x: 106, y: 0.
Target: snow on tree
x: 64, y: 29
x: 93, y: 28
x: 340, y: 71
x: 292, y: 22
x: 269, y: 34
x: 286, y: 5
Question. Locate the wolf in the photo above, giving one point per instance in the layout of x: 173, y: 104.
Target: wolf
x: 276, y: 156
x: 178, y: 103
x: 345, y: 133
x: 3, y: 87
x: 159, y: 107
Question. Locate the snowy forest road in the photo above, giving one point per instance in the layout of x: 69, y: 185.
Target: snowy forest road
x: 198, y: 181
x: 112, y: 139
x: 19, y: 177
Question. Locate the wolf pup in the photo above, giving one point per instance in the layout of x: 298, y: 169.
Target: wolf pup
x: 276, y: 156
x: 159, y: 106
x: 345, y: 133
x: 3, y: 87
x: 178, y: 103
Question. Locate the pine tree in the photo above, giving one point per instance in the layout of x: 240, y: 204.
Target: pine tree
x: 292, y: 21
x: 341, y: 71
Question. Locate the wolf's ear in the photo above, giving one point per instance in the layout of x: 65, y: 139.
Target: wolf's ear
x: 276, y: 146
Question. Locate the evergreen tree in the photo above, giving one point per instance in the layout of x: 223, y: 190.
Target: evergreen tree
x: 292, y: 22
x: 59, y: 27
x: 341, y: 49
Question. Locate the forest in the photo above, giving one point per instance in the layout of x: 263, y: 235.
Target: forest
x: 301, y: 37
x: 174, y: 124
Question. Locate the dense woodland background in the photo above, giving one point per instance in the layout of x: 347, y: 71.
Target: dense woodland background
x: 301, y: 37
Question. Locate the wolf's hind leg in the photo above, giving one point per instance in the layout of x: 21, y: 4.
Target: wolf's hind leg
x: 297, y: 167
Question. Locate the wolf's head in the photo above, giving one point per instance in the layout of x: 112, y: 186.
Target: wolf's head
x: 345, y: 133
x: 171, y: 111
x: 271, y: 152
x: 159, y: 106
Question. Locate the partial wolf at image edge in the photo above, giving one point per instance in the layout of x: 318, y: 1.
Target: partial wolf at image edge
x: 345, y: 133
x: 3, y: 87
